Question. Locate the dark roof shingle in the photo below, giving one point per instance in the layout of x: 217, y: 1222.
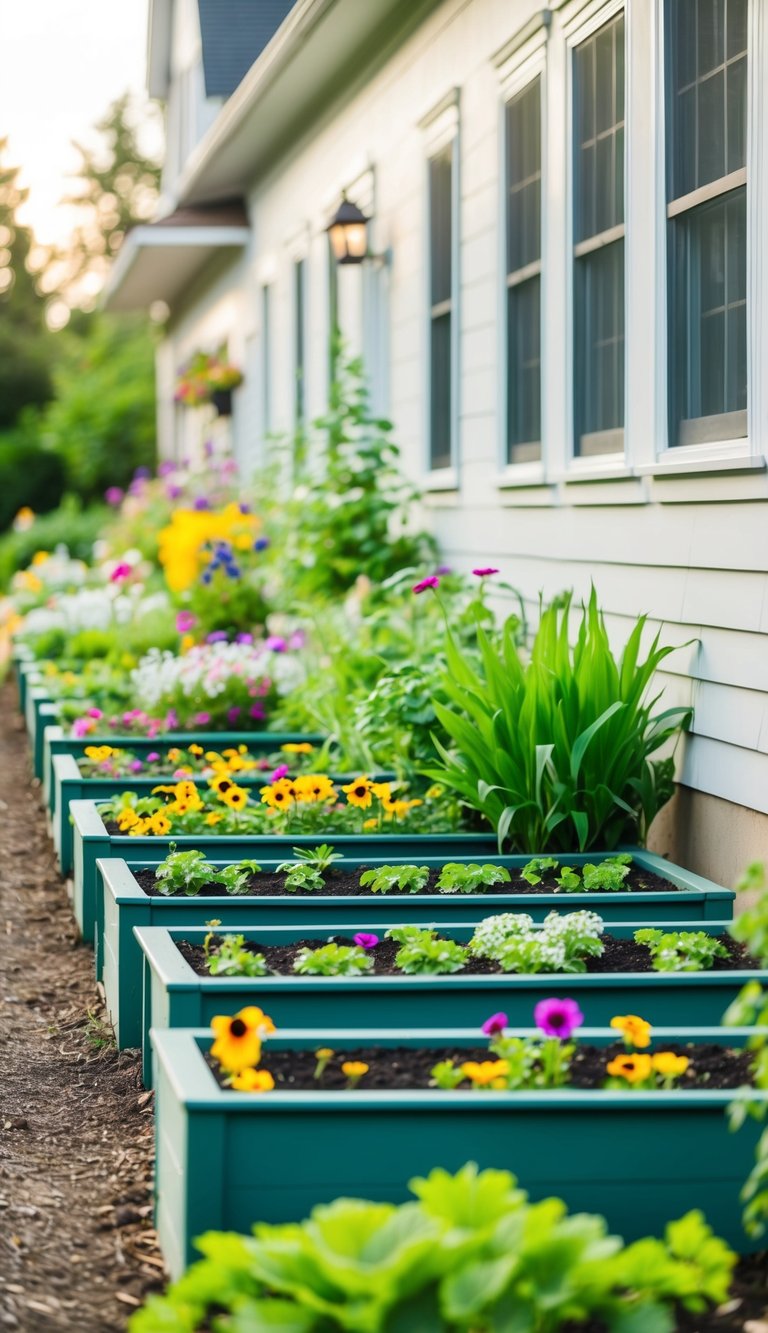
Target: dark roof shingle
x: 234, y: 33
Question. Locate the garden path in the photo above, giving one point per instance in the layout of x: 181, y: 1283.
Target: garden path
x: 76, y: 1246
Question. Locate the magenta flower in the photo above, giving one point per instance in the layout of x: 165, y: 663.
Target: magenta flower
x: 94, y: 712
x: 185, y: 621
x: 173, y: 492
x: 443, y: 569
x: 275, y: 643
x: 201, y: 719
x: 484, y: 573
x: 120, y: 572
x: 281, y: 771
x: 217, y: 636
x: 200, y: 502
x: 495, y: 1024
x: 135, y: 765
x: 244, y: 638
x: 233, y: 714
x: 558, y: 1018
x: 256, y: 711
x: 81, y: 726
x: 153, y: 757
x: 365, y: 941
x: 114, y: 496
x: 166, y: 468
x: 431, y: 582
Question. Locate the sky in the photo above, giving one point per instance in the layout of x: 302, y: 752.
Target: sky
x: 61, y: 64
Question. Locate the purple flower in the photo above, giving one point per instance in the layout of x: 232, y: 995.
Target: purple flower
x: 431, y: 582
x: 558, y: 1018
x: 142, y: 474
x: 365, y: 941
x: 173, y: 492
x: 217, y: 636
x: 256, y: 711
x: 136, y: 766
x: 153, y: 757
x: 275, y: 643
x: 281, y: 771
x: 244, y: 508
x: 261, y: 544
x: 200, y: 502
x: 185, y: 621
x: 297, y: 639
x: 114, y: 495
x: 201, y: 719
x: 443, y: 569
x: 233, y: 714
x: 244, y: 638
x: 206, y: 576
x: 484, y: 573
x: 120, y: 572
x: 166, y: 468
x: 208, y: 448
x: 495, y: 1024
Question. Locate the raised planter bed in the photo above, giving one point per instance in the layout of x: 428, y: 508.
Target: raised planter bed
x: 174, y: 995
x: 122, y: 903
x: 23, y: 662
x: 40, y: 711
x: 93, y: 842
x: 226, y: 1160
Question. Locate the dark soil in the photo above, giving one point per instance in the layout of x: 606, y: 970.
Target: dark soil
x: 401, y: 1068
x: 346, y: 883
x: 77, y: 1249
x: 619, y: 956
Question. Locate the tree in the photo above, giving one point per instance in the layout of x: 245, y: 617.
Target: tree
x: 24, y: 342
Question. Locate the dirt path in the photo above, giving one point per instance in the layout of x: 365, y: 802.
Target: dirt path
x: 76, y: 1246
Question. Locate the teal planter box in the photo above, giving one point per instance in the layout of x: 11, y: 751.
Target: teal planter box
x: 226, y: 1160
x: 123, y: 904
x: 22, y: 660
x: 56, y: 742
x: 92, y: 842
x: 39, y: 711
x: 175, y: 996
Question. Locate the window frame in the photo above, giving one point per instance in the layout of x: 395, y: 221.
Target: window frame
x: 441, y: 127
x: 299, y: 326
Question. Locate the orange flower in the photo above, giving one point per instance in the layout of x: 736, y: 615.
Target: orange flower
x: 252, y: 1080
x: 635, y: 1031
x: 633, y: 1068
x: 486, y: 1073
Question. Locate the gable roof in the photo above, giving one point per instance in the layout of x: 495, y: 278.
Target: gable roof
x: 234, y: 33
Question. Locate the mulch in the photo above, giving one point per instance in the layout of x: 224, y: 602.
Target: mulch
x: 77, y: 1248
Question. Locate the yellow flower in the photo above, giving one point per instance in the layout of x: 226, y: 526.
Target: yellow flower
x: 127, y: 819
x: 435, y: 791
x: 213, y: 756
x: 314, y: 787
x: 159, y: 824
x: 354, y: 1070
x: 370, y: 824
x: 187, y: 791
x: 98, y: 753
x: 213, y: 818
x: 635, y: 1031
x: 138, y: 829
x: 174, y: 754
x: 186, y: 642
x: 670, y: 1065
x: 40, y: 557
x: 383, y: 791
x: 297, y: 747
x: 486, y: 1073
x: 279, y: 796
x: 235, y: 797
x: 252, y: 1080
x: 243, y: 542
x: 238, y: 1040
x: 359, y: 793
x: 633, y: 1068
x: 195, y: 749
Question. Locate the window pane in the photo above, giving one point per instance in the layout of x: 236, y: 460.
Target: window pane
x: 440, y: 220
x: 599, y: 341
x: 707, y: 91
x: 708, y: 362
x: 736, y: 114
x: 440, y: 392
x: 523, y: 124
x: 299, y: 319
x: 598, y: 71
x: 524, y: 371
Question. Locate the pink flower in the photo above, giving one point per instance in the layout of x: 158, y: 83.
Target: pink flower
x: 94, y: 712
x: 281, y: 771
x: 185, y: 621
x: 484, y: 573
x: 365, y: 941
x: 153, y: 757
x: 495, y: 1024
x: 135, y: 765
x: 558, y: 1018
x: 81, y: 726
x: 256, y: 711
x: 275, y: 643
x: 431, y: 582
x: 114, y: 496
x: 120, y: 572
x: 201, y: 719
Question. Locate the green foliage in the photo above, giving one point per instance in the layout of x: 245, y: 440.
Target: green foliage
x: 29, y: 475
x: 608, y: 876
x: 333, y: 960
x: 562, y: 943
x: 535, y: 869
x: 300, y: 876
x: 70, y: 525
x: 421, y: 953
x: 385, y: 878
x: 569, y: 879
x: 750, y: 1009
x: 455, y: 877
x: 750, y: 926
x: 319, y: 858
x: 230, y: 957
x: 237, y: 878
x: 184, y: 872
x: 25, y: 345
x: 556, y: 753
x: 681, y: 950
x: 471, y: 1252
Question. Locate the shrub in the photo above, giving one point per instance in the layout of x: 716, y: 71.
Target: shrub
x: 70, y: 525
x: 29, y: 476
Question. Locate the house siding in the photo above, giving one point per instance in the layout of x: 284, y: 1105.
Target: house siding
x: 689, y: 550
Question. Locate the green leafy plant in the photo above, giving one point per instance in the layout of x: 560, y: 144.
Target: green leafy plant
x: 750, y: 1009
x: 750, y: 926
x: 562, y: 943
x: 535, y: 869
x: 300, y: 876
x: 570, y: 880
x: 385, y: 878
x: 469, y: 1252
x: 422, y: 953
x: 681, y: 950
x: 455, y: 877
x: 556, y: 752
x: 319, y: 858
x: 236, y: 878
x: 333, y: 960
x: 608, y: 875
x: 227, y: 956
x: 185, y: 872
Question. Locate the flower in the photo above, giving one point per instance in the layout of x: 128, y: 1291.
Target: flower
x: 431, y: 582
x: 159, y: 824
x: 217, y: 636
x: 201, y: 719
x: 275, y: 643
x: 365, y: 941
x: 484, y: 573
x: 635, y: 1031
x: 281, y: 771
x: 558, y: 1018
x: 354, y: 1071
x: 359, y: 793
x: 486, y: 1073
x: 252, y: 1080
x: 153, y: 757
x: 234, y: 797
x: 127, y: 819
x: 383, y: 792
x: 238, y: 1039
x: 261, y: 544
x: 135, y: 766
x: 98, y: 753
x: 279, y: 796
x: 233, y: 714
x: 323, y: 1055
x: 670, y: 1065
x: 633, y: 1068
x: 314, y: 787
x: 114, y: 496
x: 369, y: 824
x: 213, y: 818
x: 495, y: 1024
x: 120, y: 572
x: 297, y: 747
x: 185, y: 621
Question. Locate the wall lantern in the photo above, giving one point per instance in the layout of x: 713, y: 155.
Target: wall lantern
x: 348, y: 230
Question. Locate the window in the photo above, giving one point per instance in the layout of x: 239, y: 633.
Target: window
x: 266, y: 358
x: 523, y: 244
x: 706, y: 44
x: 442, y: 329
x: 300, y: 314
x: 334, y: 332
x: 598, y: 290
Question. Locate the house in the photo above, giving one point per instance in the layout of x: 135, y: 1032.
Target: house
x: 562, y: 311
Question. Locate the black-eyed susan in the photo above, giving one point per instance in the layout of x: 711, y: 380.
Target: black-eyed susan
x: 195, y: 749
x: 279, y: 796
x: 486, y: 1073
x: 213, y: 818
x: 314, y: 787
x: 252, y: 1080
x: 235, y: 797
x: 382, y: 791
x: 238, y: 1039
x: 127, y: 819
x: 159, y: 824
x: 360, y: 793
x: 220, y: 783
x: 297, y: 747
x: 633, y: 1068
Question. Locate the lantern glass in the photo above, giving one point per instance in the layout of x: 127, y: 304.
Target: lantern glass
x: 357, y: 240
